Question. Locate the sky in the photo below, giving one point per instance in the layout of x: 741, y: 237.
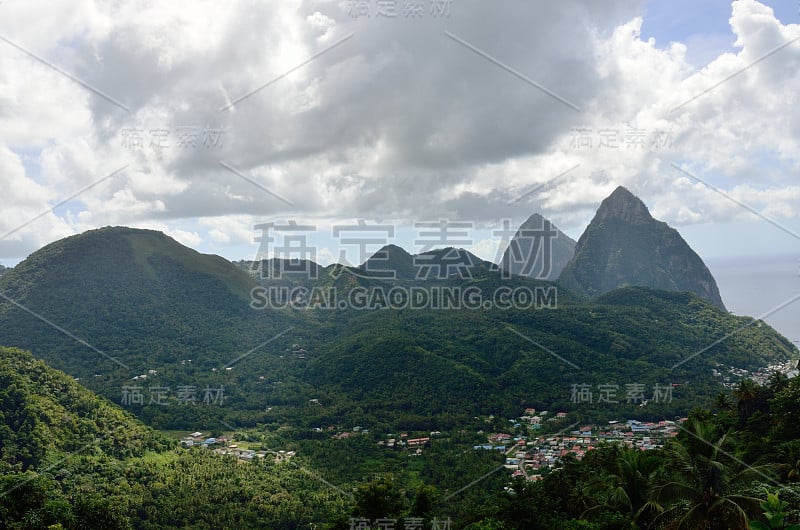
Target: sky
x: 205, y: 119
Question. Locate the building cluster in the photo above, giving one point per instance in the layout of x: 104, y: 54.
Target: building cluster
x: 198, y: 438
x: 731, y: 376
x: 527, y: 453
x: 142, y: 377
x: 224, y: 446
x: 344, y: 435
x: 402, y: 441
x: 527, y: 456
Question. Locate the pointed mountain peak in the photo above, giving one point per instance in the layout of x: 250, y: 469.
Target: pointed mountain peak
x: 452, y: 253
x: 389, y: 256
x: 393, y: 252
x: 534, y: 221
x: 392, y: 262
x: 535, y: 253
x: 389, y: 262
x: 625, y: 206
x: 625, y: 246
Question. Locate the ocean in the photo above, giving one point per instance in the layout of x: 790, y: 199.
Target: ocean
x: 755, y: 286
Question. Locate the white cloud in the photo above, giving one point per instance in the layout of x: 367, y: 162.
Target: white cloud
x: 398, y: 121
x: 190, y: 239
x: 230, y: 230
x: 486, y: 249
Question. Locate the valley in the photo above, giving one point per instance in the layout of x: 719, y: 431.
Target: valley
x: 419, y: 389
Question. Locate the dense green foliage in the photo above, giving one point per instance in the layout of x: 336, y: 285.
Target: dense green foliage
x: 45, y: 413
x: 716, y: 474
x: 139, y: 301
x: 723, y: 471
x: 72, y: 458
x: 132, y: 303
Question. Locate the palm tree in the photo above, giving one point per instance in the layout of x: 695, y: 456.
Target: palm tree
x: 790, y: 458
x: 627, y: 488
x: 703, y: 490
x: 746, y: 394
x: 777, y: 381
x: 723, y: 403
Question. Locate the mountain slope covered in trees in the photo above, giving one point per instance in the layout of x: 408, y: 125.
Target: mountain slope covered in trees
x: 114, y: 304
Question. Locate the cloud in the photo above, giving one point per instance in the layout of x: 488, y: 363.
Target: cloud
x: 373, y: 117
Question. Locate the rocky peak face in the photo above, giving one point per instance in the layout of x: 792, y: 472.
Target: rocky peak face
x: 538, y: 250
x: 625, y: 246
x: 624, y: 206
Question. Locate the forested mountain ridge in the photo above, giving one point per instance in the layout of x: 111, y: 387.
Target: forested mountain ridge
x: 134, y: 297
x: 128, y: 476
x: 129, y: 306
x: 129, y: 302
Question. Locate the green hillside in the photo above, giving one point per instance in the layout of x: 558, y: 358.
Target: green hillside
x: 473, y: 362
x: 72, y: 460
x: 134, y: 303
x: 45, y: 414
x: 138, y: 310
x: 117, y: 302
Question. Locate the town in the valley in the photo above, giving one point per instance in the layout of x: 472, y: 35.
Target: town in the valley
x: 534, y: 442
x: 527, y: 453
